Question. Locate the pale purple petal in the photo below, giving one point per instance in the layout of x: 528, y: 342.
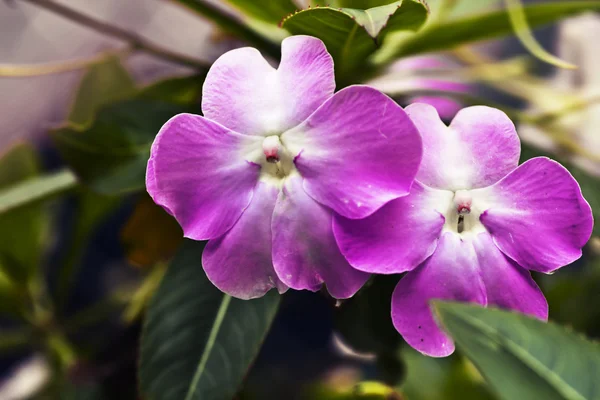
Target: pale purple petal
x: 507, y: 284
x: 244, y: 93
x: 239, y: 263
x: 537, y: 215
x: 198, y: 172
x: 479, y: 147
x: 358, y: 151
x: 305, y: 254
x: 451, y: 273
x: 397, y: 237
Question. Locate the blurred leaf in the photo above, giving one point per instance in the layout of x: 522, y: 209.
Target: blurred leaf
x: 15, y: 340
x: 179, y: 90
x: 23, y: 230
x: 272, y: 11
x: 522, y: 357
x: 150, y: 235
x: 90, y: 209
x: 198, y: 343
x: 450, y: 378
x: 111, y: 155
x: 521, y: 27
x: 493, y: 24
x: 233, y: 25
x: 32, y: 190
x: 352, y: 35
x: 364, y: 320
x: 103, y: 84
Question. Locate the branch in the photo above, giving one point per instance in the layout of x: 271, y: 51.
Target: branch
x: 135, y: 41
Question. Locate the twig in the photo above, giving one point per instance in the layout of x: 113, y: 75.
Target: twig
x: 28, y: 70
x: 135, y: 41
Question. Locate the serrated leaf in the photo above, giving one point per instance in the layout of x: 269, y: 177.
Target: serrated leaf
x: 351, y: 35
x: 111, y: 155
x: 363, y: 4
x: 472, y: 28
x: 271, y: 11
x: 522, y: 357
x: 197, y: 342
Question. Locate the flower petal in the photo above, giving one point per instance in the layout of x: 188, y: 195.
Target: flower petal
x: 197, y: 172
x: 397, y: 237
x: 508, y: 285
x: 244, y: 93
x: 358, y: 151
x: 537, y: 215
x: 305, y: 254
x: 239, y: 263
x: 451, y: 273
x: 478, y: 148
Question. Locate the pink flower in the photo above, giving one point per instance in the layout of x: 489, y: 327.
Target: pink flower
x: 274, y: 158
x: 473, y: 225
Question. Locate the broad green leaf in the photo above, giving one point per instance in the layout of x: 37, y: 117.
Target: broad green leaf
x: 23, y: 230
x: 522, y: 357
x: 233, y: 25
x: 103, y: 84
x: 197, y: 342
x: 352, y: 35
x: 452, y: 33
x: 449, y: 378
x: 111, y: 155
x: 272, y: 11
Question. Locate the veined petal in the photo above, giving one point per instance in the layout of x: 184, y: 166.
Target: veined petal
x: 397, y: 237
x: 479, y: 147
x: 358, y: 151
x: 508, y: 285
x: 451, y: 273
x: 305, y: 254
x: 198, y: 172
x: 537, y: 215
x: 244, y: 93
x: 239, y: 263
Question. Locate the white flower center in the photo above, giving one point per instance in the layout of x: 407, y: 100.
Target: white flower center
x: 462, y: 214
x: 276, y: 161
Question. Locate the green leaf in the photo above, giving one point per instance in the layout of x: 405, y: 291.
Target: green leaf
x: 352, y: 35
x: 103, y: 84
x: 179, y: 90
x: 449, y: 378
x: 197, y: 342
x: 23, y: 230
x: 111, y: 155
x: 363, y: 4
x: 233, y: 25
x: 522, y: 357
x: 492, y: 24
x: 272, y: 11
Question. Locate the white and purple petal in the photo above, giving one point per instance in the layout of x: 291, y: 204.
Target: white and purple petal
x: 199, y: 173
x: 537, y: 215
x: 358, y: 151
x: 451, y: 273
x: 239, y: 263
x: 305, y: 254
x: 397, y: 237
x: 478, y: 148
x: 244, y: 93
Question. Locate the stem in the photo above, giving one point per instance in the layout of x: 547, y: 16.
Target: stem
x: 134, y: 41
x: 27, y: 70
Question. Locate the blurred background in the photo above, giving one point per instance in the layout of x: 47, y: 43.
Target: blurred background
x: 83, y: 248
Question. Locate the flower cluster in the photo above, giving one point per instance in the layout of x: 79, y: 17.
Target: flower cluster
x: 294, y: 186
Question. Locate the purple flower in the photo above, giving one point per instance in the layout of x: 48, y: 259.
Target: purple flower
x: 473, y: 225
x: 275, y: 157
